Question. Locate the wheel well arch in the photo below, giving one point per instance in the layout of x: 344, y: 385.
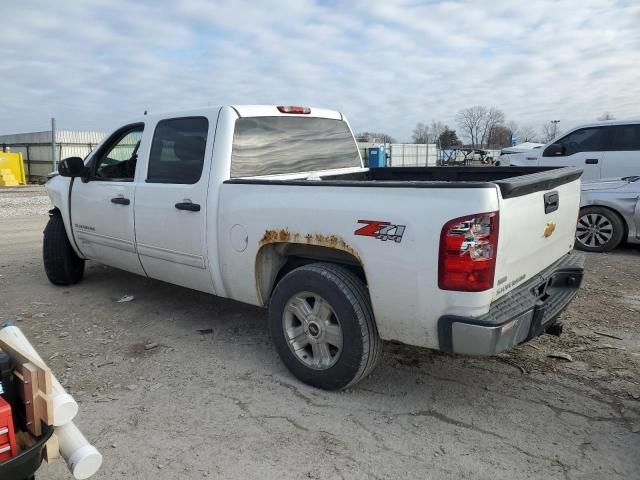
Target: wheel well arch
x: 625, y: 226
x: 275, y: 260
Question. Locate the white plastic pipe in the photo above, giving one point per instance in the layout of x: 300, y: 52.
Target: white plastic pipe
x: 83, y: 459
x: 65, y: 407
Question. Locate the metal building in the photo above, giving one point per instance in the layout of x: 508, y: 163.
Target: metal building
x: 36, y: 148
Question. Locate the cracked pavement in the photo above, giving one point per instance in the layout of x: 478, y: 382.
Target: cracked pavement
x: 221, y: 404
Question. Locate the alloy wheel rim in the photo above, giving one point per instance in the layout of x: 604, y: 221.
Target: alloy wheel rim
x: 594, y: 230
x: 312, y: 330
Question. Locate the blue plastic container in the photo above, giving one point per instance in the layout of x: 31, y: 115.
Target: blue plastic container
x: 376, y: 157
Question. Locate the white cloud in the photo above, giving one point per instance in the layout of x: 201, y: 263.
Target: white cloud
x: 386, y: 64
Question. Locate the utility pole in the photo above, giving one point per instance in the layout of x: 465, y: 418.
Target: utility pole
x: 53, y: 144
x: 555, y: 127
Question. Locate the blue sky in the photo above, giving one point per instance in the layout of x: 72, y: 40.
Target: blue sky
x: 386, y: 64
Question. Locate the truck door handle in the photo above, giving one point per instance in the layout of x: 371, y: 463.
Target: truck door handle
x: 591, y: 161
x: 121, y: 200
x: 192, y: 207
x: 551, y: 202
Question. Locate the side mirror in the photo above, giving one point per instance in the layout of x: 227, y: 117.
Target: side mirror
x: 554, y: 150
x: 72, y: 167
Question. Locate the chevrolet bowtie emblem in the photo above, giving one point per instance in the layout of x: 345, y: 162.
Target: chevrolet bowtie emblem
x: 549, y: 229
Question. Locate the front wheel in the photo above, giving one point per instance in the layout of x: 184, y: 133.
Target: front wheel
x: 598, y: 230
x: 322, y: 326
x: 61, y: 264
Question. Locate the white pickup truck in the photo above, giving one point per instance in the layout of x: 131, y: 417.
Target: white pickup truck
x: 271, y: 206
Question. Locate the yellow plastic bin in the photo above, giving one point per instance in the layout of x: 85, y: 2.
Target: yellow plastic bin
x: 11, y: 169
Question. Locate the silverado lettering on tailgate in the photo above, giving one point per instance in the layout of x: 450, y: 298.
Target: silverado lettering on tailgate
x: 509, y: 285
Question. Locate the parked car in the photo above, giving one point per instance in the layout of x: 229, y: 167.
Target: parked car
x: 517, y: 151
x: 609, y: 214
x: 271, y: 206
x: 602, y: 149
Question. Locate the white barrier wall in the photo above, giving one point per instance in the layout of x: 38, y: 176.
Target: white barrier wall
x: 413, y: 155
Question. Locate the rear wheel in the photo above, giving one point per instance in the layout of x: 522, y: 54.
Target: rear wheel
x: 61, y: 264
x: 322, y: 326
x: 598, y: 230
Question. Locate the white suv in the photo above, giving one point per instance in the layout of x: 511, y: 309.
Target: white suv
x: 603, y: 150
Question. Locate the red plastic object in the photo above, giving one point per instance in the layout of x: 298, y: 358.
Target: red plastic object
x: 7, y: 435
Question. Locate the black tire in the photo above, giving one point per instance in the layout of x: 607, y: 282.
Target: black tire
x: 349, y: 300
x: 61, y: 264
x: 608, y: 233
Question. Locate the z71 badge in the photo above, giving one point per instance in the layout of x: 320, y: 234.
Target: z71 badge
x: 381, y: 230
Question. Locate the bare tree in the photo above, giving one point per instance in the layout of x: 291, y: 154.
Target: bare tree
x: 522, y: 134
x: 435, y: 130
x: 421, y: 133
x: 527, y: 134
x: 492, y: 120
x: 549, y: 131
x: 606, y: 116
x: 479, y: 124
x: 500, y: 137
x: 514, y: 129
x: 471, y: 122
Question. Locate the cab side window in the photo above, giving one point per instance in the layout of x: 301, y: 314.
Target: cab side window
x: 583, y: 140
x: 625, y: 138
x: 117, y: 162
x: 177, y: 150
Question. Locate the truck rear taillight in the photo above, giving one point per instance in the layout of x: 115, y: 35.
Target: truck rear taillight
x: 468, y: 246
x: 294, y: 109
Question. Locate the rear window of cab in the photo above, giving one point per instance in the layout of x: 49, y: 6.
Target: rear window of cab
x: 277, y: 145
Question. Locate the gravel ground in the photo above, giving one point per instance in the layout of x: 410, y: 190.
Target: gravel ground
x: 213, y: 400
x: 23, y: 201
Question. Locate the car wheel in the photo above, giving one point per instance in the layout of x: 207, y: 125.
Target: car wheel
x: 322, y: 326
x: 598, y: 230
x: 61, y: 264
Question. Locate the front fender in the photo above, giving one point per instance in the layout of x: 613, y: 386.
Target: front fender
x: 59, y: 192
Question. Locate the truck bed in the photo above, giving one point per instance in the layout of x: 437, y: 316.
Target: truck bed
x: 512, y: 181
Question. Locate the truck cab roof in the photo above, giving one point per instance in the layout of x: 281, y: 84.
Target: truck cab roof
x: 243, y: 111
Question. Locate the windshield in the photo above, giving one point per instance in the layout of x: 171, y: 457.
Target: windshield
x: 273, y: 145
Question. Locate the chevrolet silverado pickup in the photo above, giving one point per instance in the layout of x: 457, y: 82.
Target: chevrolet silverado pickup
x: 271, y: 205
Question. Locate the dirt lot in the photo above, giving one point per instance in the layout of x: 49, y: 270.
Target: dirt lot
x: 221, y: 404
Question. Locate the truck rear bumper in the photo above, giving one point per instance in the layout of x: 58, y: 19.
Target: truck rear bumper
x: 520, y: 315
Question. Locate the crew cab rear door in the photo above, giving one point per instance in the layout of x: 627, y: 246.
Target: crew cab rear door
x: 102, y: 207
x: 171, y: 202
x: 622, y: 158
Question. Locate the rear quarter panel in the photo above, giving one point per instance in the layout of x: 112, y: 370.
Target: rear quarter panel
x: 402, y: 276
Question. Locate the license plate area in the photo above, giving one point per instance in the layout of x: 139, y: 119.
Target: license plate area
x: 541, y: 291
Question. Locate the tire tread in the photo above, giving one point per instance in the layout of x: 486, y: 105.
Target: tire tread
x: 61, y: 264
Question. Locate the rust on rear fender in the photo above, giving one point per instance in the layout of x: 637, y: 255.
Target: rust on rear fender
x: 283, y: 235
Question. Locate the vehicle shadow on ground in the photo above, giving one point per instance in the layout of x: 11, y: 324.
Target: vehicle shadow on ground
x: 162, y: 308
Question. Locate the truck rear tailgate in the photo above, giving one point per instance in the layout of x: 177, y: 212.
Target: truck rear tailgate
x: 538, y: 215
